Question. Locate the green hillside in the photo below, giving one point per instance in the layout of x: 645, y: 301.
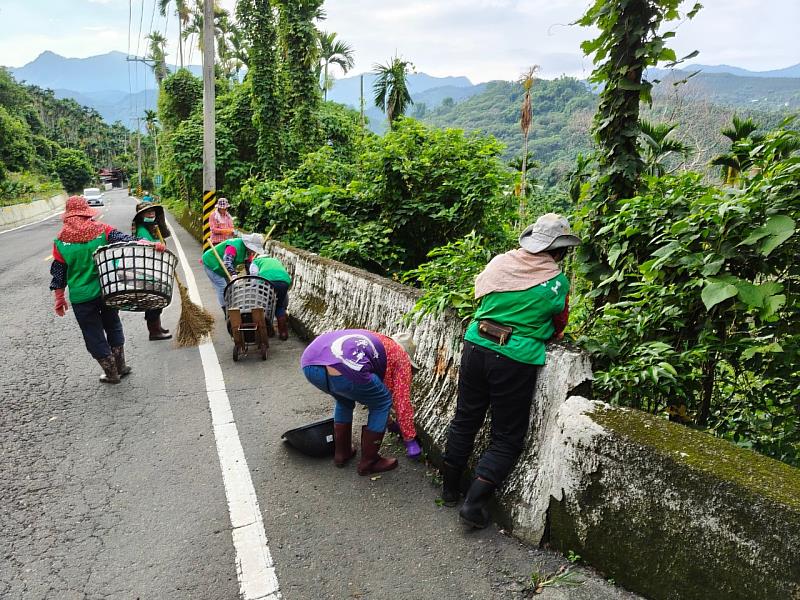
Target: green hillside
x: 562, y: 109
x: 562, y: 114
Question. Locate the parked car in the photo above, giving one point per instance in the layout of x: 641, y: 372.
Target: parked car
x: 94, y: 197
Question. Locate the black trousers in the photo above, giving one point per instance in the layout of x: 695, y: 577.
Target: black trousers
x: 490, y: 381
x: 100, y: 326
x: 152, y: 315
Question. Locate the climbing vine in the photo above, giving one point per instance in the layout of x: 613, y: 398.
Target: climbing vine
x: 300, y: 56
x: 257, y: 19
x: 629, y: 41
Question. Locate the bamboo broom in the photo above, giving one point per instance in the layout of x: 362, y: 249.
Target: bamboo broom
x: 194, y: 322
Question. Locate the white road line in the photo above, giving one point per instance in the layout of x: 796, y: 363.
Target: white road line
x: 254, y: 566
x: 34, y: 223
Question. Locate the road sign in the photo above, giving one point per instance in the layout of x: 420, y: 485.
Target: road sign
x: 158, y: 179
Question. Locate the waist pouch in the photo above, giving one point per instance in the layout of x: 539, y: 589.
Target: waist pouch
x: 494, y: 332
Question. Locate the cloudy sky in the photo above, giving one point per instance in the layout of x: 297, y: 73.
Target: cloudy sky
x: 482, y: 39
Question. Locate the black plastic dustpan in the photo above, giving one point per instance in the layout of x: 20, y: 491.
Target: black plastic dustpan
x: 315, y: 439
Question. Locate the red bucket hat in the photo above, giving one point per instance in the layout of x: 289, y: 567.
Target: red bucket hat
x: 78, y: 207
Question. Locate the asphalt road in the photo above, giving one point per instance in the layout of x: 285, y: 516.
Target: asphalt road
x: 117, y: 492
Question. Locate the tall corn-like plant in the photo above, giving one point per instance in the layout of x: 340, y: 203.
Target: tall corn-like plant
x: 525, y: 121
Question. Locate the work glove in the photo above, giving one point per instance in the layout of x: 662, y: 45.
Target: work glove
x: 61, y: 307
x: 413, y: 450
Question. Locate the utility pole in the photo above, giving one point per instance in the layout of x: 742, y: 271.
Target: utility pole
x: 209, y: 136
x: 139, y: 156
x: 362, y: 102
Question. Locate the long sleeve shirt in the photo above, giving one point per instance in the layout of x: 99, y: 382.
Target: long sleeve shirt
x: 398, y: 380
x: 221, y: 227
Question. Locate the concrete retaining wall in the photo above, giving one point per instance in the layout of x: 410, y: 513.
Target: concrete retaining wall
x: 22, y: 214
x: 664, y: 510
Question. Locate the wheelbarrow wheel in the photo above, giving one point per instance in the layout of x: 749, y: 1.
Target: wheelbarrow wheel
x: 235, y: 353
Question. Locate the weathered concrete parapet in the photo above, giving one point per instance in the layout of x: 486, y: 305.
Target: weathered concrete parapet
x: 671, y: 512
x: 666, y: 511
x: 22, y: 214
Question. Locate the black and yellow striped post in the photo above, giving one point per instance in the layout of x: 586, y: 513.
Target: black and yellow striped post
x: 209, y: 202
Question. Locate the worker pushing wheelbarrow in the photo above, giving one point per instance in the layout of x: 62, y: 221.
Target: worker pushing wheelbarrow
x: 250, y: 302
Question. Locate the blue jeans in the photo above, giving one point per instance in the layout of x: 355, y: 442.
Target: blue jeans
x: 219, y: 282
x: 373, y: 394
x: 100, y: 326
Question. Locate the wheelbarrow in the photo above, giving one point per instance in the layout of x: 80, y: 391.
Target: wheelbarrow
x: 250, y: 302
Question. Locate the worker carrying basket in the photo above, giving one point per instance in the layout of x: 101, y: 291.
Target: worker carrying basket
x: 135, y: 277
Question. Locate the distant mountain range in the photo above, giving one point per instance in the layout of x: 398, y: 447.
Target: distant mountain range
x: 120, y: 90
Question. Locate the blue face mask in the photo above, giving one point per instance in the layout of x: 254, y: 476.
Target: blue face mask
x: 149, y: 219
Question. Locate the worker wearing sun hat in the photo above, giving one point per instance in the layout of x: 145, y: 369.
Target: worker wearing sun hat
x: 523, y: 304
x: 228, y: 255
x: 221, y: 222
x: 73, y: 267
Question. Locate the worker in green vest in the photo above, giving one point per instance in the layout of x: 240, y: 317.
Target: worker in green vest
x: 150, y: 224
x: 73, y: 267
x: 524, y: 303
x: 220, y: 261
x: 278, y: 277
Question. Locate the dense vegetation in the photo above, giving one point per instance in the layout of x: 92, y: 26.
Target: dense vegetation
x: 42, y: 137
x: 686, y: 288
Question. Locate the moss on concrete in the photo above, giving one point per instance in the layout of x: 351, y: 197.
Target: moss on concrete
x: 759, y: 475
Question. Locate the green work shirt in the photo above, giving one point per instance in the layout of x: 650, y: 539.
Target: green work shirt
x: 271, y: 269
x: 82, y: 279
x: 143, y: 232
x: 212, y: 263
x: 529, y: 312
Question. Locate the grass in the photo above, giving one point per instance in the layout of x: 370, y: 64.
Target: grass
x: 25, y: 187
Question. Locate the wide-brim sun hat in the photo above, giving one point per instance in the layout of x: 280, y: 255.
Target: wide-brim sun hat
x: 223, y: 203
x: 406, y: 342
x: 77, y: 206
x: 549, y: 232
x: 161, y: 221
x: 254, y: 241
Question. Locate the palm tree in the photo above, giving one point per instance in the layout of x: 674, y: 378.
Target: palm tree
x: 332, y: 52
x: 158, y: 56
x: 656, y: 147
x: 182, y: 10
x: 742, y: 134
x: 391, y: 88
x: 525, y: 120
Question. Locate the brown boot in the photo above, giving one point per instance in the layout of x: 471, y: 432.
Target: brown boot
x: 283, y: 327
x: 372, y: 462
x: 109, y: 369
x: 343, y: 441
x: 154, y: 327
x: 118, y: 353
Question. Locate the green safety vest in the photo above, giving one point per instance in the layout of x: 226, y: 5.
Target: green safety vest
x: 82, y: 279
x: 211, y: 261
x: 271, y: 269
x: 143, y: 232
x: 530, y: 312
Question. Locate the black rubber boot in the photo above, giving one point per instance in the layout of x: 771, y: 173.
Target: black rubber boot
x: 474, y: 511
x: 451, y: 484
x: 154, y: 327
